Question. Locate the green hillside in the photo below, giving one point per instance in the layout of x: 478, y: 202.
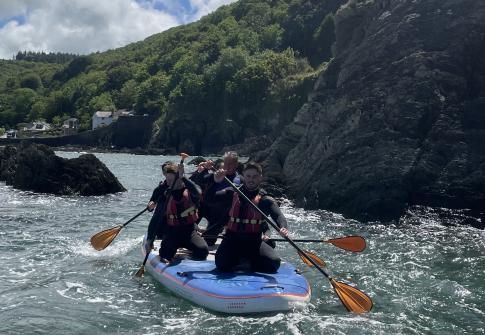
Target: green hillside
x: 241, y: 71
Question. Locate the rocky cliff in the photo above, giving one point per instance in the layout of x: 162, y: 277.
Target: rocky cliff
x: 398, y: 116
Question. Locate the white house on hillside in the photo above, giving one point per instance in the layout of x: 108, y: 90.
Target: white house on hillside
x: 101, y: 118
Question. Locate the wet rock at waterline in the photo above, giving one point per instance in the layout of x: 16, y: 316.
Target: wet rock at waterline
x: 35, y: 167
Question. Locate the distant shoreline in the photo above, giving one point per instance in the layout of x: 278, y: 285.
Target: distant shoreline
x: 133, y: 151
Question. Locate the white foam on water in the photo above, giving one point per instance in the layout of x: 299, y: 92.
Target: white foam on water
x: 178, y: 324
x: 295, y: 321
x: 472, y: 308
x: 73, y: 285
x: 414, y: 264
x: 96, y: 300
x: 121, y: 246
x: 26, y: 271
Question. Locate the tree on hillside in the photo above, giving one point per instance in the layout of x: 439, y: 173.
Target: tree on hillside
x: 74, y: 68
x: 57, y: 103
x: 11, y: 84
x: 271, y: 37
x: 38, y: 109
x: 31, y: 80
x: 304, y: 19
x: 102, y: 102
x: 151, y: 97
x: 126, y: 97
x: 117, y: 76
x: 51, y: 57
x: 23, y: 99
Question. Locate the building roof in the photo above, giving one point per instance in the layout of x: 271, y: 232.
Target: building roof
x: 103, y: 114
x: 122, y: 112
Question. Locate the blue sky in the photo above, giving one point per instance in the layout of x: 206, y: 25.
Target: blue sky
x: 20, y: 19
x: 85, y: 26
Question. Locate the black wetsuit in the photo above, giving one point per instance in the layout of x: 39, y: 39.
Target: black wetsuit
x: 204, y: 179
x: 155, y: 230
x: 214, y: 209
x: 175, y: 237
x: 239, y: 245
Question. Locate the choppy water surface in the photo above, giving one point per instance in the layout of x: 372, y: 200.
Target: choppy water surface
x: 424, y: 277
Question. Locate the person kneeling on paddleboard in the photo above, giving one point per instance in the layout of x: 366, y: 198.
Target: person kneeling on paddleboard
x: 244, y: 231
x: 179, y: 217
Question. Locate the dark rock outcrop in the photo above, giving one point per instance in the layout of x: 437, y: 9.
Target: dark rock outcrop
x: 35, y: 167
x: 398, y: 116
x: 250, y: 145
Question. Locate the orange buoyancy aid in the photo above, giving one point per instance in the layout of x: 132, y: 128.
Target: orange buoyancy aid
x: 243, y: 217
x: 183, y: 212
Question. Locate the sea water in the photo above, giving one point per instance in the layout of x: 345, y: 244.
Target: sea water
x: 423, y: 276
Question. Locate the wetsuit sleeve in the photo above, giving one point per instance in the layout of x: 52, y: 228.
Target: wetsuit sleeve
x: 213, y: 196
x: 194, y: 190
x: 153, y: 225
x: 199, y: 177
x: 157, y: 222
x: 271, y: 208
x: 208, y: 179
x: 156, y: 193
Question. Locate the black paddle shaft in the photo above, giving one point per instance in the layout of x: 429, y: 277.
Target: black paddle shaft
x: 275, y: 226
x: 146, y: 258
x: 137, y: 215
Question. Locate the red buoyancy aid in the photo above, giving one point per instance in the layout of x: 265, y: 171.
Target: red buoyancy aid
x: 183, y: 212
x: 244, y: 218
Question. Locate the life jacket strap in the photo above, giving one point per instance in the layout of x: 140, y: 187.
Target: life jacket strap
x: 253, y: 221
x: 188, y: 212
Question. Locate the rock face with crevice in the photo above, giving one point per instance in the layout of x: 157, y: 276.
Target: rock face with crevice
x: 398, y: 116
x: 35, y: 167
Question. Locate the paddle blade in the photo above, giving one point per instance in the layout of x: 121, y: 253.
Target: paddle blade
x: 183, y: 155
x: 353, y: 299
x: 140, y: 272
x: 350, y: 243
x: 314, y: 257
x: 102, y: 239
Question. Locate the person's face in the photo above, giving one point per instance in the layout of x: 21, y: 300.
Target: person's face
x: 230, y: 165
x: 252, y: 179
x: 170, y: 177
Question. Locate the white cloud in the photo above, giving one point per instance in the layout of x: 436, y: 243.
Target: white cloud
x: 204, y: 7
x: 85, y: 26
x: 77, y: 26
x: 12, y: 8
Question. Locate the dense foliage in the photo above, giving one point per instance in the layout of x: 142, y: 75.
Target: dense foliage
x: 50, y: 57
x: 242, y: 70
